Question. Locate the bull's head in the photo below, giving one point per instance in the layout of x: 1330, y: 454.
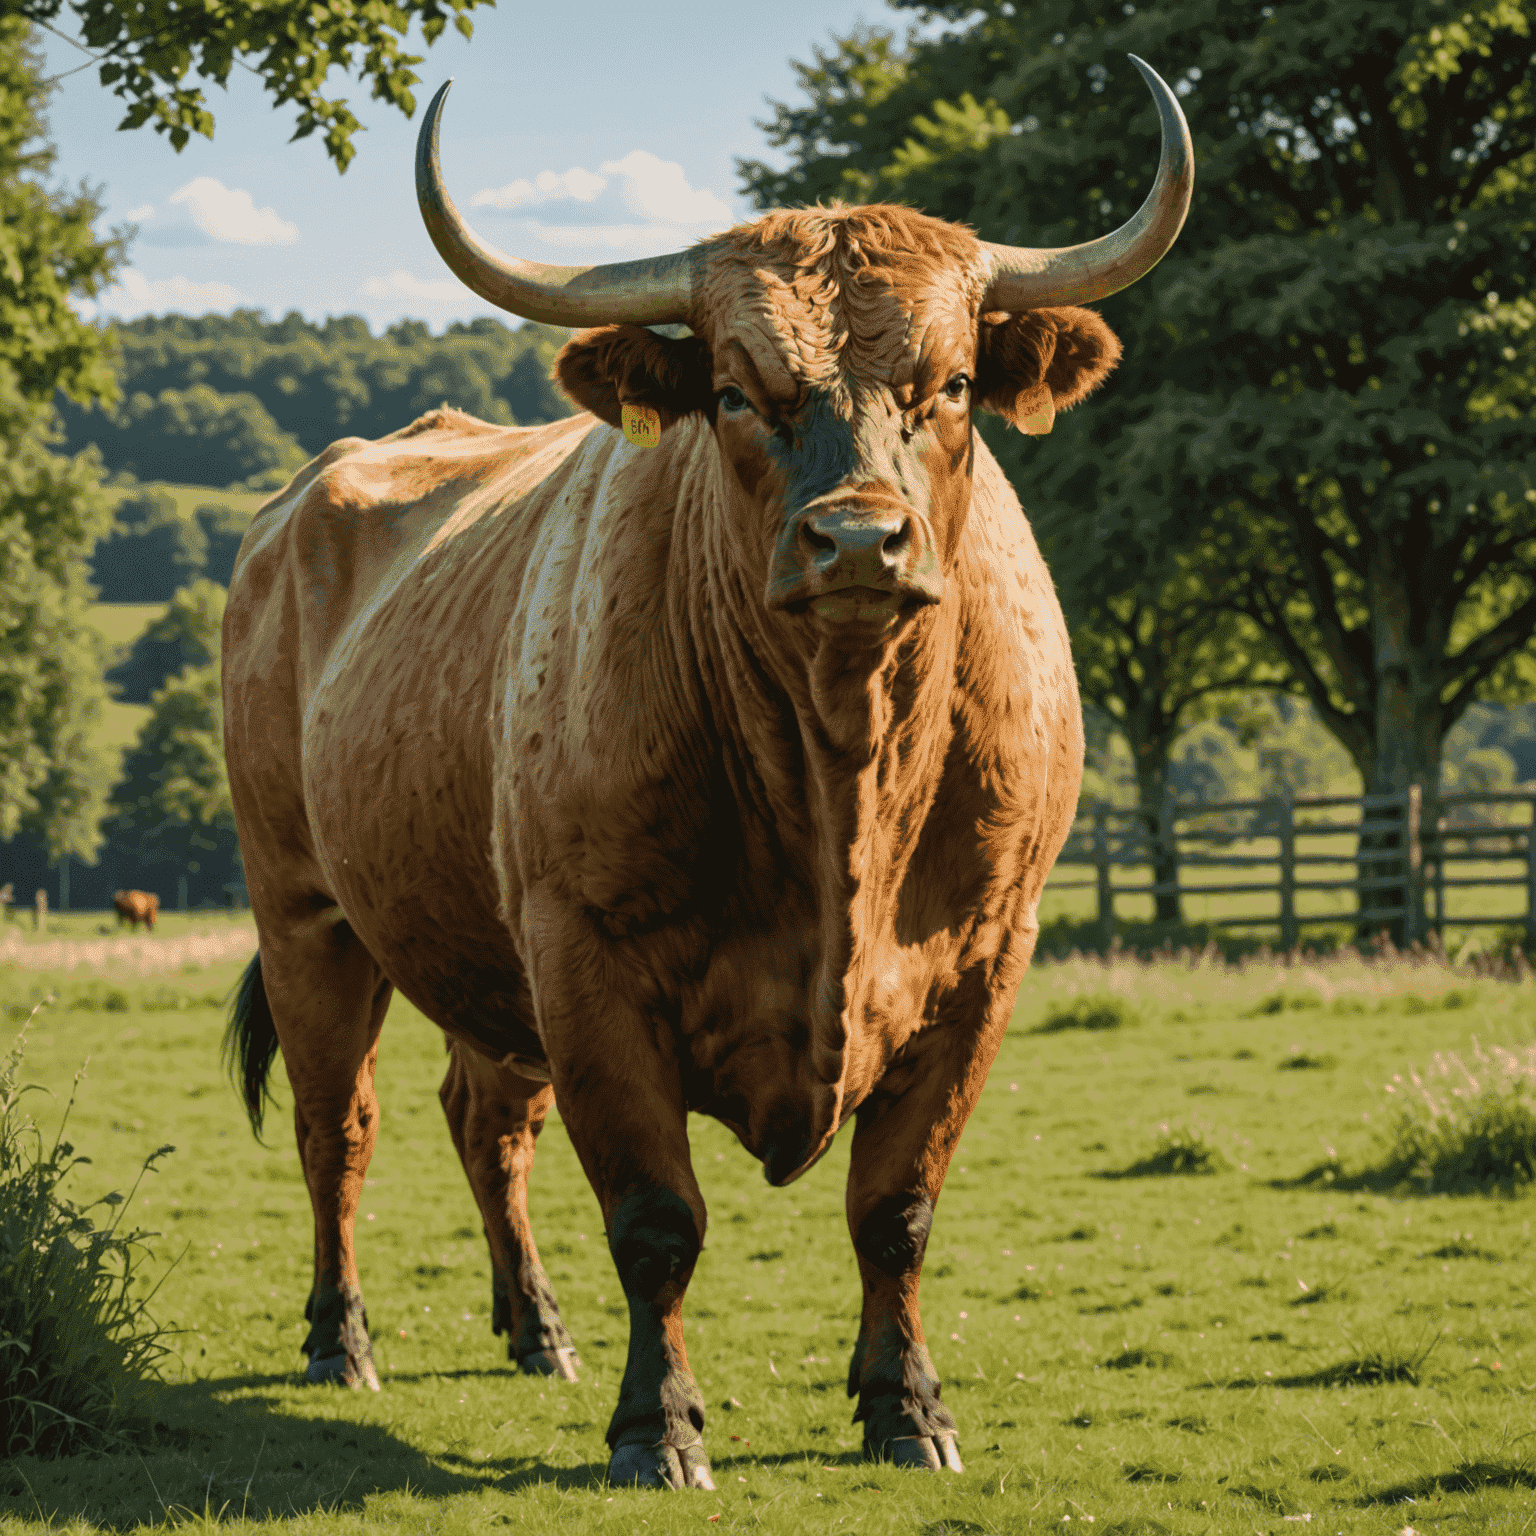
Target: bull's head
x: 838, y: 355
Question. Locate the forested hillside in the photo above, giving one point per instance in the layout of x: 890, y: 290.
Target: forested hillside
x: 241, y: 400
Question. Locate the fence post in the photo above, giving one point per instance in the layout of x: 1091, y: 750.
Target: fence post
x: 40, y: 913
x: 1530, y: 877
x: 1104, y: 890
x: 64, y: 883
x: 1441, y: 823
x: 1413, y: 862
x: 1290, y: 934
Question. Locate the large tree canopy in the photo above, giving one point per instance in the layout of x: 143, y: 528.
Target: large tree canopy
x: 148, y: 49
x: 1325, y: 407
x: 53, y: 779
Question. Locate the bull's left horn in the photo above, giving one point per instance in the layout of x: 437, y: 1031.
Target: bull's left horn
x: 1078, y: 274
x: 657, y: 291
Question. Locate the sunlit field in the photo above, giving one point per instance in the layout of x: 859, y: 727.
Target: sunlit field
x: 1280, y: 1341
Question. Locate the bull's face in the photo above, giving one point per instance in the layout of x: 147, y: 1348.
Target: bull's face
x: 840, y: 361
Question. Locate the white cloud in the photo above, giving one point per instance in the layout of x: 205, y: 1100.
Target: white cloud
x: 142, y: 212
x: 575, y: 183
x: 229, y: 215
x: 659, y: 190
x: 634, y: 202
x: 135, y: 294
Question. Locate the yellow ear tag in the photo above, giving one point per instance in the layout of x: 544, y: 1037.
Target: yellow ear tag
x: 642, y: 425
x: 1038, y: 423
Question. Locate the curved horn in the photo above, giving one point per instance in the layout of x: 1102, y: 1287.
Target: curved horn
x: 1078, y: 274
x: 656, y: 291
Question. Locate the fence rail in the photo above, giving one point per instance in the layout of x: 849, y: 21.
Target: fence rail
x: 1404, y: 849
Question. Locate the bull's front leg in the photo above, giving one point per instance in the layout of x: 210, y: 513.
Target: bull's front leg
x: 622, y: 1102
x: 907, y: 1131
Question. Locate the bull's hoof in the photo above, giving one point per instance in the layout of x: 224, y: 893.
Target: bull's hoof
x: 564, y: 1363
x: 660, y: 1466
x: 344, y: 1372
x: 930, y: 1452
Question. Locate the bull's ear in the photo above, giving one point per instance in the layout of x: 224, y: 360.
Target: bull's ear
x: 618, y: 365
x: 1033, y: 364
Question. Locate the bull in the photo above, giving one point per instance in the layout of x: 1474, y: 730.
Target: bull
x: 706, y: 751
x: 135, y: 907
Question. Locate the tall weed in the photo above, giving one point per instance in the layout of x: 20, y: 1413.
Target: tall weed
x: 78, y: 1349
x: 1094, y: 1011
x: 1465, y: 1127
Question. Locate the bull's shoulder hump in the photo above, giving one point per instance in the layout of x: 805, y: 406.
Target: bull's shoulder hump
x: 408, y: 482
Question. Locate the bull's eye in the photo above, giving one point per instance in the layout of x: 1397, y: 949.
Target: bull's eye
x: 958, y: 387
x: 732, y: 399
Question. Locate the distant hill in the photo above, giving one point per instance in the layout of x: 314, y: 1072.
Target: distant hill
x: 240, y: 400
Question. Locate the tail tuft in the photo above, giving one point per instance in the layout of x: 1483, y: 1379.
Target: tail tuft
x: 250, y: 1043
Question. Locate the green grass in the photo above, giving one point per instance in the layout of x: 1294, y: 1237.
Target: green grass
x: 123, y: 623
x: 1210, y: 1354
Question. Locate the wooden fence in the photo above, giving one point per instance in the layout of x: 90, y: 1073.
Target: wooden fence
x: 1405, y: 855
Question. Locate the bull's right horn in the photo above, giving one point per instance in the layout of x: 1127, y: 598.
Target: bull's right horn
x: 655, y: 291
x: 1078, y: 274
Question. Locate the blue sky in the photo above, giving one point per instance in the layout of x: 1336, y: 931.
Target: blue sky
x: 574, y: 133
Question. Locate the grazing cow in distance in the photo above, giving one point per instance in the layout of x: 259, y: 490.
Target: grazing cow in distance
x: 705, y: 752
x: 135, y: 907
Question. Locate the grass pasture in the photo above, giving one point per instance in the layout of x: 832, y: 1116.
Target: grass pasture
x: 1147, y: 1315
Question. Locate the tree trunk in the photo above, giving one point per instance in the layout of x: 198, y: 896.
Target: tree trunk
x: 1407, y: 741
x: 1154, y: 812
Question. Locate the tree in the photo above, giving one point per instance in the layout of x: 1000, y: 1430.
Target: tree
x: 195, y: 436
x: 291, y: 387
x: 223, y: 528
x: 152, y: 52
x: 185, y: 636
x: 1328, y: 386
x: 1150, y: 654
x: 53, y: 779
x: 171, y: 809
x: 51, y: 513
x: 151, y: 552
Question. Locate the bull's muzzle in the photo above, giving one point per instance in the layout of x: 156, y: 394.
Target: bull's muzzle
x: 854, y: 564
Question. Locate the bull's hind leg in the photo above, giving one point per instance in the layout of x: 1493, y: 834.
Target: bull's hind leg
x: 495, y: 1118
x: 328, y: 999
x: 907, y: 1131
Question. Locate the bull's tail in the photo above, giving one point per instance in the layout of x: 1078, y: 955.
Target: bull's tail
x: 250, y: 1043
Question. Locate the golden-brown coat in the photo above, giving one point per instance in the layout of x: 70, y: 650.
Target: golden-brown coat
x: 512, y: 726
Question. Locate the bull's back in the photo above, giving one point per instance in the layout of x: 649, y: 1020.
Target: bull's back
x: 367, y: 608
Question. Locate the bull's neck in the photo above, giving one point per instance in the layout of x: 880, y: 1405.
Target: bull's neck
x: 835, y: 753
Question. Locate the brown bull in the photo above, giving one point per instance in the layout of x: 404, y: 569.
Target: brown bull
x: 135, y: 907
x: 714, y: 764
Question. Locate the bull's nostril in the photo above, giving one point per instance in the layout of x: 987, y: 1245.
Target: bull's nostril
x: 816, y: 540
x: 894, y: 543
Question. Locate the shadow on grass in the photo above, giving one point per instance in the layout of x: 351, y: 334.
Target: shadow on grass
x: 1400, y: 1178
x: 1469, y: 1477
x: 255, y: 1455
x: 1375, y: 1366
x: 1173, y: 1163
x: 261, y: 1456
